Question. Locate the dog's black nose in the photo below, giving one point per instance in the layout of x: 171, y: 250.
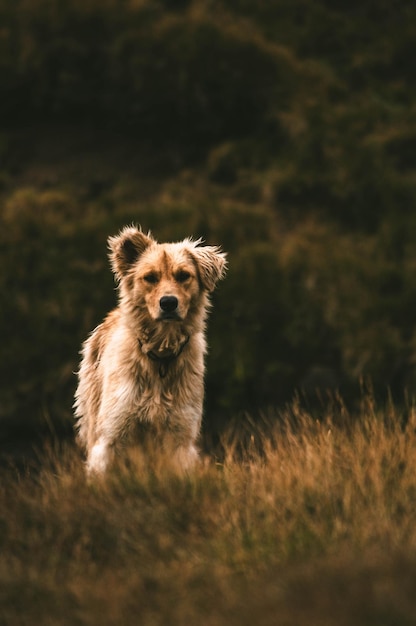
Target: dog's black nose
x: 168, y: 304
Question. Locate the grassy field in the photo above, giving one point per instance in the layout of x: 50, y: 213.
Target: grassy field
x: 313, y: 523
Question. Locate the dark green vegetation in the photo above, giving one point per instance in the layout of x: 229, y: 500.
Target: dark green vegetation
x: 283, y: 130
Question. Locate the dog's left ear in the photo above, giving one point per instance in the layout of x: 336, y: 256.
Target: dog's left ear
x: 211, y: 264
x: 125, y: 249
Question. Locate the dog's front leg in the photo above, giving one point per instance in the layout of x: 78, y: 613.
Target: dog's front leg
x: 118, y: 406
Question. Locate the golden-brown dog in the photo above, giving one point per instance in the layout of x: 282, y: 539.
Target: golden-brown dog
x: 144, y: 365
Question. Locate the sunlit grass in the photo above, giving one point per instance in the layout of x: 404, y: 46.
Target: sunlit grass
x: 314, y: 521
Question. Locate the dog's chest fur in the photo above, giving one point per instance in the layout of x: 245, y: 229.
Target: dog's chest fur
x: 128, y: 383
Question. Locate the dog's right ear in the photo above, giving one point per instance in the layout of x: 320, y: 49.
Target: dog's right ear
x: 125, y: 249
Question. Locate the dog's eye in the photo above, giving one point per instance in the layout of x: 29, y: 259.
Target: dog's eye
x: 151, y: 278
x: 182, y: 276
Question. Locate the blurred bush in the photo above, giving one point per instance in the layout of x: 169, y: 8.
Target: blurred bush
x: 169, y: 76
x: 284, y: 131
x: 304, y: 306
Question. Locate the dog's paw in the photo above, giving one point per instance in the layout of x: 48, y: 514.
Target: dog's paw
x: 99, y: 459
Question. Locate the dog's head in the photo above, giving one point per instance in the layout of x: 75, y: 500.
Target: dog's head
x: 167, y: 280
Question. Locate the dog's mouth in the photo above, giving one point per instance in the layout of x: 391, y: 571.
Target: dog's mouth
x: 171, y: 316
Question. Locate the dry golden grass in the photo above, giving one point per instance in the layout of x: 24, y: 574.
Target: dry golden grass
x: 316, y: 527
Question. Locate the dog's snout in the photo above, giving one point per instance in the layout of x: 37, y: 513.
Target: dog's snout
x: 168, y: 304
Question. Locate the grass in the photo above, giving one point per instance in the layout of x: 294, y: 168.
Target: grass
x: 314, y: 524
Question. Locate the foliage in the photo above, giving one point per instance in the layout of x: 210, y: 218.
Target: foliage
x: 167, y: 76
x: 284, y: 131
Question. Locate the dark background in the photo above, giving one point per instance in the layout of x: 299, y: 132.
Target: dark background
x: 284, y: 130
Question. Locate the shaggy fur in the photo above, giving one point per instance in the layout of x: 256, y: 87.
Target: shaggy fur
x: 144, y: 365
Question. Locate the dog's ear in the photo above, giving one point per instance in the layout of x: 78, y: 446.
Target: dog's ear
x: 125, y: 249
x: 211, y: 264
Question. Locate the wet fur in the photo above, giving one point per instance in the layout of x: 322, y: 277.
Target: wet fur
x: 143, y: 366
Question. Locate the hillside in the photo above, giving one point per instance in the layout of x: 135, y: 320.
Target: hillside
x: 284, y: 131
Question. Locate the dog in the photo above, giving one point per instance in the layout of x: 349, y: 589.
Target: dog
x: 142, y: 368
